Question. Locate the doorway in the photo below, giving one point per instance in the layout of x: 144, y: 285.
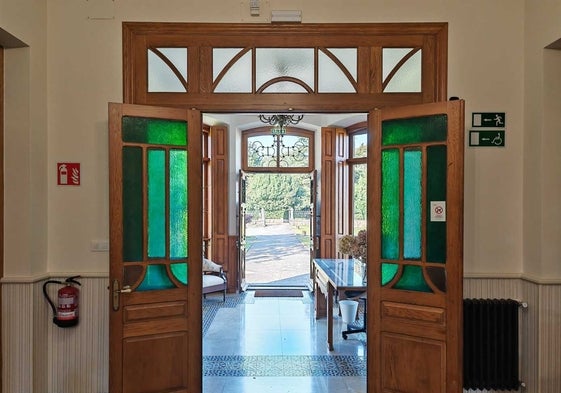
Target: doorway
x: 277, y: 233
x: 346, y: 69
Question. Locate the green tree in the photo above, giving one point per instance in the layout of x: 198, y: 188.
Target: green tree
x: 277, y: 192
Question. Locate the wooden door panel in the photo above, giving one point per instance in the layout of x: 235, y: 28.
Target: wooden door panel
x: 155, y: 363
x: 406, y: 357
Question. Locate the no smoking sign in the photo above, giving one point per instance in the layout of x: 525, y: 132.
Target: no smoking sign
x: 438, y: 211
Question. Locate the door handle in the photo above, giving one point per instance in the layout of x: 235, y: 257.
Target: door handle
x: 117, y: 293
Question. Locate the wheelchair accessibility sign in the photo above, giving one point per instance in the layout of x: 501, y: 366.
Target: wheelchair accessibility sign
x: 487, y: 138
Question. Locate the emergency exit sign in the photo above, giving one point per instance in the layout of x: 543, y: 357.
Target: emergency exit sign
x: 487, y: 138
x: 488, y: 119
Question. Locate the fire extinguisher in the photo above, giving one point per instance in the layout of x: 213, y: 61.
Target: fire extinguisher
x: 65, y: 313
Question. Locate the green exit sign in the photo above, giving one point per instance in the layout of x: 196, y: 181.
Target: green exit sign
x: 487, y: 138
x: 488, y: 119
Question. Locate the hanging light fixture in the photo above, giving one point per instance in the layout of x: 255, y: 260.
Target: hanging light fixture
x: 279, y: 122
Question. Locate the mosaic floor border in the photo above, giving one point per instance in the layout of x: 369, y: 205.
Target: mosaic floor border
x: 284, y: 366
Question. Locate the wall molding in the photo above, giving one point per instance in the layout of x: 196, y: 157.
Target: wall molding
x: 518, y: 276
x: 48, y: 276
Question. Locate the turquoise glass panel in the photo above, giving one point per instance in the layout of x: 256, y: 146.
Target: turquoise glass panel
x: 156, y: 203
x: 436, y: 191
x: 178, y: 204
x: 154, y: 131
x: 412, y: 280
x: 132, y: 205
x: 180, y: 272
x: 156, y: 278
x: 390, y: 204
x: 389, y: 270
x: 414, y: 130
x: 412, y: 204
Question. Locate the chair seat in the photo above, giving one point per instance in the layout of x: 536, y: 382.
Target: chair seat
x: 210, y: 280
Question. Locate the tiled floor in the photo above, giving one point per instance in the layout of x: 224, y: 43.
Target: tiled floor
x: 256, y: 345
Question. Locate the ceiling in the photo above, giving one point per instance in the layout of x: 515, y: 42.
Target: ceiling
x: 311, y: 121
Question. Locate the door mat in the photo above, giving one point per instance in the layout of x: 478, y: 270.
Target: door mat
x: 278, y: 293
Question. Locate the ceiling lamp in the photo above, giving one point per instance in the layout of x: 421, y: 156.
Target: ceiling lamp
x: 279, y: 122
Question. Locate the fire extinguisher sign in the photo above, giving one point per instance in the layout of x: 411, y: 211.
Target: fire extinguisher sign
x: 68, y: 173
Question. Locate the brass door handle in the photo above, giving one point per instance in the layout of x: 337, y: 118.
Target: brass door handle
x: 117, y: 293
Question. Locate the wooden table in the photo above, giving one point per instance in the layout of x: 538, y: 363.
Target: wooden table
x: 330, y: 276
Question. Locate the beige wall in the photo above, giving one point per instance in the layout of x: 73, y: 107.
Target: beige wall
x: 486, y: 46
x: 542, y: 164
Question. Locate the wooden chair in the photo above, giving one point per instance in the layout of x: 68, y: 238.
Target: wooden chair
x: 214, y: 279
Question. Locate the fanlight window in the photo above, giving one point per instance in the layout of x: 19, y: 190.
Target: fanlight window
x: 285, y: 70
x: 288, y: 152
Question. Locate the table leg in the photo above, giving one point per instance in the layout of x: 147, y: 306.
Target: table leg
x: 330, y: 293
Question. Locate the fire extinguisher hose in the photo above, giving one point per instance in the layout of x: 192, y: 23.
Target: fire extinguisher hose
x: 47, y: 295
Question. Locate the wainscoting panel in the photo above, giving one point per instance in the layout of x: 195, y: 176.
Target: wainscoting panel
x: 17, y: 337
x: 550, y: 339
x: 39, y: 357
x: 79, y: 356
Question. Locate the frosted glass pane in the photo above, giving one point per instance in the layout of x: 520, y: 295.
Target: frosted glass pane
x: 390, y: 58
x: 221, y: 57
x: 284, y: 62
x: 349, y: 58
x: 331, y: 78
x: 408, y: 78
x: 161, y: 78
x: 238, y: 77
x: 285, y: 87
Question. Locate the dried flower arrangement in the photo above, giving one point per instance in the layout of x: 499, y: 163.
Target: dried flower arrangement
x: 355, y: 246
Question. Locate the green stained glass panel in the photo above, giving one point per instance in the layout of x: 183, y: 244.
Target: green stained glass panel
x: 412, y: 208
x: 156, y: 203
x: 412, y: 280
x: 180, y: 272
x: 414, y: 130
x: 390, y: 204
x: 154, y: 131
x: 132, y: 205
x: 178, y: 187
x: 389, y: 270
x: 156, y: 278
x: 436, y: 191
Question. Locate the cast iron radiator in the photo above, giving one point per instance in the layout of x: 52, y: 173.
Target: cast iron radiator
x: 491, y: 344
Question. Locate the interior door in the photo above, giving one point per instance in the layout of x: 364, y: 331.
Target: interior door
x: 242, y: 186
x: 155, y: 273
x: 415, y: 266
x: 314, y: 224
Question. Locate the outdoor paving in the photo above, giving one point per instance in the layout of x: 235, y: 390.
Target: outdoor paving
x: 276, y: 256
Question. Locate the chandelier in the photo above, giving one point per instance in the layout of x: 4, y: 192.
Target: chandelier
x: 279, y: 122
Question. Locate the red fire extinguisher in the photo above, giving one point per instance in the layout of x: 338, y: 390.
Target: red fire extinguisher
x: 65, y: 313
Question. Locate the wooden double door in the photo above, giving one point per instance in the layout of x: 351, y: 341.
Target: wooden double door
x: 415, y: 210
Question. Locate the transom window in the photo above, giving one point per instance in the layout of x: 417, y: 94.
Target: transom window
x: 264, y: 151
x: 332, y: 68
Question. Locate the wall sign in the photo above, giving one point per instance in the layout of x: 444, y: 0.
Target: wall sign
x: 68, y: 173
x: 487, y: 138
x: 488, y: 119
